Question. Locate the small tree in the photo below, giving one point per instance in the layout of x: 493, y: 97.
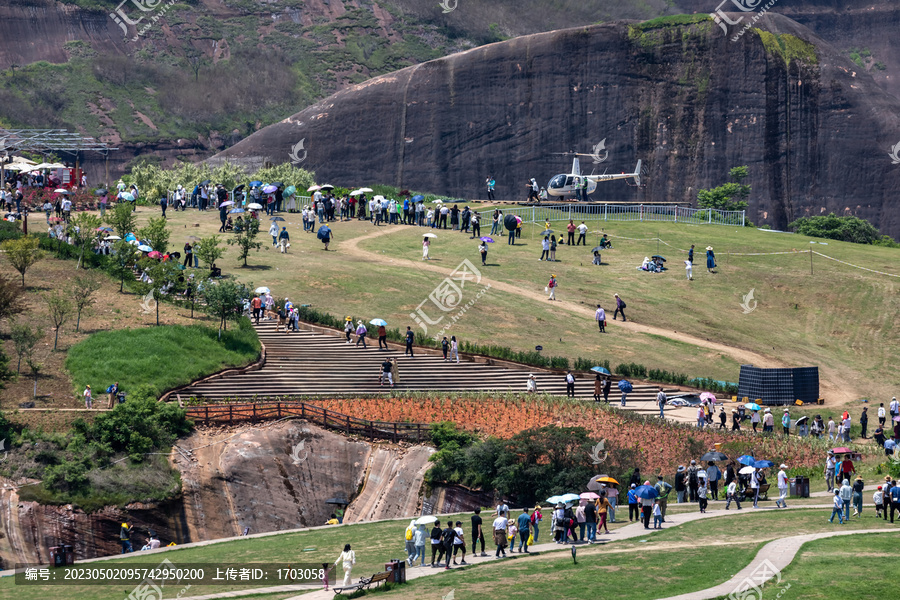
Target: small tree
x: 208, y: 250
x: 125, y: 256
x: 22, y: 253
x: 10, y: 298
x: 225, y: 301
x: 156, y: 233
x: 164, y: 280
x: 121, y: 219
x: 36, y: 368
x: 728, y: 196
x: 61, y: 309
x: 83, y: 289
x: 25, y: 338
x: 83, y: 230
x: 245, y: 240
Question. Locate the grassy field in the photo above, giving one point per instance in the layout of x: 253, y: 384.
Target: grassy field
x: 159, y: 357
x: 837, y: 318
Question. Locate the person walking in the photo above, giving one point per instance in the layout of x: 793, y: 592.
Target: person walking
x: 409, y: 534
x: 475, y: 222
x: 864, y: 421
x: 693, y: 483
x: 382, y: 337
x: 846, y: 493
x: 702, y: 491
x: 426, y: 242
x: 590, y: 521
x: 663, y: 489
x: 895, y: 498
x: 499, y: 526
x: 598, y: 387
x: 881, y: 414
x: 347, y: 558
x: 714, y: 474
x: 436, y: 545
x: 410, y: 338
x: 606, y: 386
x: 348, y: 328
x: 445, y: 347
x: 482, y: 249
x: 620, y: 308
x: 633, y: 512
x: 552, y: 248
x: 477, y: 532
x: 837, y: 508
x: 783, y: 486
x: 395, y: 371
x: 680, y: 487
x: 454, y: 349
x: 768, y: 421
x: 689, y: 270
x: 600, y: 317
x: 419, y: 537
x: 284, y: 240
x: 385, y: 372
x: 551, y: 287
x: 830, y: 465
x: 691, y: 255
x: 858, y: 487
x: 523, y: 524
x: 570, y: 385
x: 459, y: 543
x: 754, y: 486
x: 710, y: 259
x: 604, y: 512
x: 661, y: 403
x: 361, y: 332
x: 447, y: 537
x: 536, y: 518
x: 731, y: 495
x: 88, y: 400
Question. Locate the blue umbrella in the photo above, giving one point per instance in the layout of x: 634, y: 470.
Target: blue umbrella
x: 418, y: 197
x: 752, y: 406
x: 603, y: 370
x: 255, y: 183
x: 625, y: 386
x: 746, y: 460
x: 129, y: 237
x: 570, y: 498
x: 236, y: 210
x: 763, y: 464
x: 555, y: 499
x: 145, y: 248
x: 378, y: 322
x: 646, y: 492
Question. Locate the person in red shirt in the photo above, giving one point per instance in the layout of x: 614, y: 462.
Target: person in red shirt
x: 847, y: 468
x: 382, y: 337
x: 571, y: 229
x: 256, y: 305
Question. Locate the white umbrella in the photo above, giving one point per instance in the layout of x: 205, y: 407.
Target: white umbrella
x: 23, y: 160
x: 60, y: 191
x: 365, y: 190
x: 262, y: 290
x: 327, y: 186
x: 254, y: 206
x: 356, y: 192
x: 112, y: 237
x: 226, y: 203
x: 746, y: 470
x: 426, y: 520
x: 313, y: 188
x: 429, y: 235
x: 16, y: 167
x: 378, y: 198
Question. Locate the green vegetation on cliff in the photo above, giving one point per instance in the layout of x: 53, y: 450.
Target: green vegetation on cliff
x: 788, y: 47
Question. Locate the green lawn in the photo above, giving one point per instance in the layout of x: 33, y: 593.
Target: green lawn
x: 838, y: 318
x: 161, y: 357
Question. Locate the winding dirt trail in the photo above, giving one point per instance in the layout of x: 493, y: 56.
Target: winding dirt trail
x: 828, y: 380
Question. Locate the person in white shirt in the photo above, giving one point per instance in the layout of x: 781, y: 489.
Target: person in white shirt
x: 661, y: 402
x: 459, y: 543
x: 731, y: 493
x: 754, y: 485
x: 348, y: 558
x: 689, y: 270
x: 531, y: 383
x: 782, y: 487
x: 878, y: 501
x: 894, y: 407
x: 754, y: 420
x: 881, y: 415
x: 829, y: 470
x: 837, y: 509
x: 830, y: 428
x: 582, y: 233
x: 499, y: 526
x: 600, y: 316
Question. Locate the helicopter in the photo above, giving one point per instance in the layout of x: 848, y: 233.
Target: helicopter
x: 566, y: 184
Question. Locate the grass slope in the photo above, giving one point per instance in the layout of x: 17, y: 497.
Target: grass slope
x: 158, y: 357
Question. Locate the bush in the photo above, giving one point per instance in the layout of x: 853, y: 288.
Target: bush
x: 9, y: 231
x: 846, y: 229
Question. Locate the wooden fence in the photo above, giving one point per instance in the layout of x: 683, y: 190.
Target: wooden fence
x: 230, y: 414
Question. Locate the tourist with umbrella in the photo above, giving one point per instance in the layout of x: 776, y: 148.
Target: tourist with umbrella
x: 645, y: 494
x: 714, y: 474
x: 426, y: 243
x: 625, y: 387
x: 482, y: 248
x: 382, y: 332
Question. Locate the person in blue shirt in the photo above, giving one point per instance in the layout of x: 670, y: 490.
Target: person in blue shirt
x: 523, y: 523
x: 895, y: 498
x: 406, y: 219
x: 633, y: 512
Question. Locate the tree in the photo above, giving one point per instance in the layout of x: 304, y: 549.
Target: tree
x: 164, y: 278
x: 833, y: 227
x: 61, y: 309
x: 245, y: 240
x: 36, y: 368
x: 194, y: 60
x: 83, y: 289
x: 156, y: 233
x: 22, y: 253
x: 83, y: 230
x: 728, y: 196
x: 11, y: 302
x: 208, y: 250
x: 124, y: 257
x: 121, y: 219
x: 25, y: 338
x: 225, y: 300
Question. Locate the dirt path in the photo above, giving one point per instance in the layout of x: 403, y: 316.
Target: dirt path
x: 742, y: 355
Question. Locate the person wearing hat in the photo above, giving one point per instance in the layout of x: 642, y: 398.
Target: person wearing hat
x: 710, y: 259
x: 768, y: 421
x: 348, y: 328
x: 125, y: 537
x: 663, y: 488
x: 679, y: 484
x: 361, y: 333
x: 531, y: 384
x: 633, y: 512
x: 88, y: 400
x: 620, y: 308
x: 782, y: 487
x: 786, y: 422
x: 551, y: 287
x: 846, y: 493
x: 858, y: 487
x: 830, y: 464
x: 886, y: 490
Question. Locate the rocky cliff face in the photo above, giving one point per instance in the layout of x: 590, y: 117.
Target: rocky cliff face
x: 262, y: 478
x: 686, y: 99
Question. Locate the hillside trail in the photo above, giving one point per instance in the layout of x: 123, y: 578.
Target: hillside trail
x: 828, y: 381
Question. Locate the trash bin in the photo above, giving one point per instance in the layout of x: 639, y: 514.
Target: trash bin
x: 69, y: 553
x: 397, y: 569
x: 803, y: 487
x: 121, y: 397
x: 57, y: 556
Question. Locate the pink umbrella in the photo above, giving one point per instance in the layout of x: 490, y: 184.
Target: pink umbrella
x: 589, y: 496
x: 708, y: 397
x: 154, y: 254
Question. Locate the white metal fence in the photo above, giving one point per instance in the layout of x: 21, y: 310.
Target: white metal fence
x: 621, y: 212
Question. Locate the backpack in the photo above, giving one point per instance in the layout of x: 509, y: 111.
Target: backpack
x: 448, y: 535
x: 409, y: 534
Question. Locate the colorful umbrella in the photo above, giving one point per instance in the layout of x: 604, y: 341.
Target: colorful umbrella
x: 589, y: 496
x: 154, y: 254
x: 708, y: 397
x: 487, y: 240
x: 127, y: 196
x: 602, y: 370
x: 746, y: 460
x: 752, y: 406
x: 841, y: 450
x: 290, y: 191
x: 313, y: 188
x: 226, y: 203
x: 418, y: 197
x: 763, y: 464
x: 646, y: 492
x: 144, y: 248
x: 554, y: 500
x: 378, y: 322
x: 270, y: 189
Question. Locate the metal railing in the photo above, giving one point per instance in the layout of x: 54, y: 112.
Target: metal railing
x: 622, y: 212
